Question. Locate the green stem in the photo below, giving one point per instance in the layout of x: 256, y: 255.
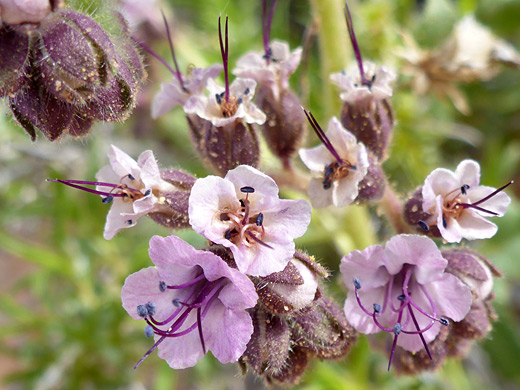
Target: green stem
x: 335, y: 51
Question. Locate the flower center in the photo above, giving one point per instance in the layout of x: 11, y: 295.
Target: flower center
x: 198, y: 296
x: 404, y: 305
x: 335, y: 171
x: 244, y: 228
x: 455, y: 202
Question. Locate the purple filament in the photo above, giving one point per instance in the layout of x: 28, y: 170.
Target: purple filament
x: 355, y: 46
x: 394, y: 344
x: 70, y: 183
x: 258, y: 240
x: 177, y: 73
x: 191, y: 283
x: 150, y: 51
x: 266, y: 27
x: 321, y: 135
x: 224, y: 50
x: 420, y: 334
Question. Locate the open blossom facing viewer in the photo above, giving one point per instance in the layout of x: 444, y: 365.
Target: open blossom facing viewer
x: 458, y: 205
x: 192, y: 301
x: 341, y: 162
x: 243, y: 212
x: 403, y: 289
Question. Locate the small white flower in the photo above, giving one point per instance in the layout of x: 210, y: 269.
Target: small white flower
x: 458, y: 204
x: 221, y: 112
x: 340, y: 169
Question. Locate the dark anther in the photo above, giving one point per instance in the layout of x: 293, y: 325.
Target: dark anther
x: 227, y: 235
x: 108, y: 199
x: 148, y: 331
x: 464, y: 189
x: 259, y: 219
x: 444, y: 321
x: 246, y: 92
x: 129, y: 221
x: 131, y: 177
x: 150, y: 307
x: 355, y: 85
x: 162, y: 286
x: 402, y: 297
x: 377, y: 308
x: 218, y: 98
x: 357, y: 283
x: 397, y: 328
x: 326, y: 186
x: 247, y: 190
x: 239, y: 101
x: 424, y: 226
x: 373, y: 78
x: 242, y: 204
x: 329, y: 170
x: 176, y: 302
x: 142, y: 311
x: 222, y: 94
x: 148, y: 192
x: 444, y: 222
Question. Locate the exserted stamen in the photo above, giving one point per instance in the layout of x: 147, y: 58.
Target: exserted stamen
x: 200, y: 299
x: 475, y: 205
x: 321, y: 135
x: 267, y: 19
x: 394, y: 344
x: 224, y: 50
x: 355, y: 46
x: 177, y: 73
x: 124, y: 190
x: 420, y: 333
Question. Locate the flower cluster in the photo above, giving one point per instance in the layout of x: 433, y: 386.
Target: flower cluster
x: 249, y: 295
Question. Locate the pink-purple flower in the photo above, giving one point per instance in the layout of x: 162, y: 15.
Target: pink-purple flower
x: 272, y: 72
x: 135, y: 189
x: 243, y: 212
x: 176, y: 93
x: 403, y: 289
x: 458, y: 205
x: 192, y: 302
x: 340, y: 164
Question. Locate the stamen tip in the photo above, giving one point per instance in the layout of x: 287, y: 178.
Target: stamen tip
x: 424, y: 226
x: 377, y: 308
x: 247, y: 190
x: 150, y: 308
x: 357, y: 283
x: 397, y: 329
x: 148, y: 331
x: 162, y: 286
x: 444, y: 321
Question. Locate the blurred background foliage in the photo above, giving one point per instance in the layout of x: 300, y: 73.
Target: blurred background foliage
x: 61, y: 321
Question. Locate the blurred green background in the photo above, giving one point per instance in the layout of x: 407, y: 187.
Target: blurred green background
x: 61, y: 321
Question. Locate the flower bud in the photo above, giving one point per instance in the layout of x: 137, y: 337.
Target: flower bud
x: 372, y: 187
x: 284, y: 129
x: 289, y: 290
x: 14, y: 52
x: 415, y: 216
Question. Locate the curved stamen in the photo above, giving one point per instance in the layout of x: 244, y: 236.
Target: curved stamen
x: 70, y: 183
x: 191, y: 283
x: 177, y: 73
x: 394, y: 344
x: 224, y: 50
x: 360, y: 304
x: 353, y: 40
x: 321, y: 135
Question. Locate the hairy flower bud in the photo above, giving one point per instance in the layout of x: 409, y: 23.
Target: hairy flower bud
x: 284, y: 129
x: 66, y: 72
x: 372, y: 187
x: 415, y: 216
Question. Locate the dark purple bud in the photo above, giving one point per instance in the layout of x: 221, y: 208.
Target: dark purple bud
x: 178, y: 178
x: 14, y: 52
x: 415, y: 216
x: 294, y: 369
x: 224, y: 148
x: 284, y: 129
x: 372, y: 187
x: 357, y: 283
x: 289, y: 276
x: 372, y: 123
x: 148, y: 331
x: 311, y: 263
